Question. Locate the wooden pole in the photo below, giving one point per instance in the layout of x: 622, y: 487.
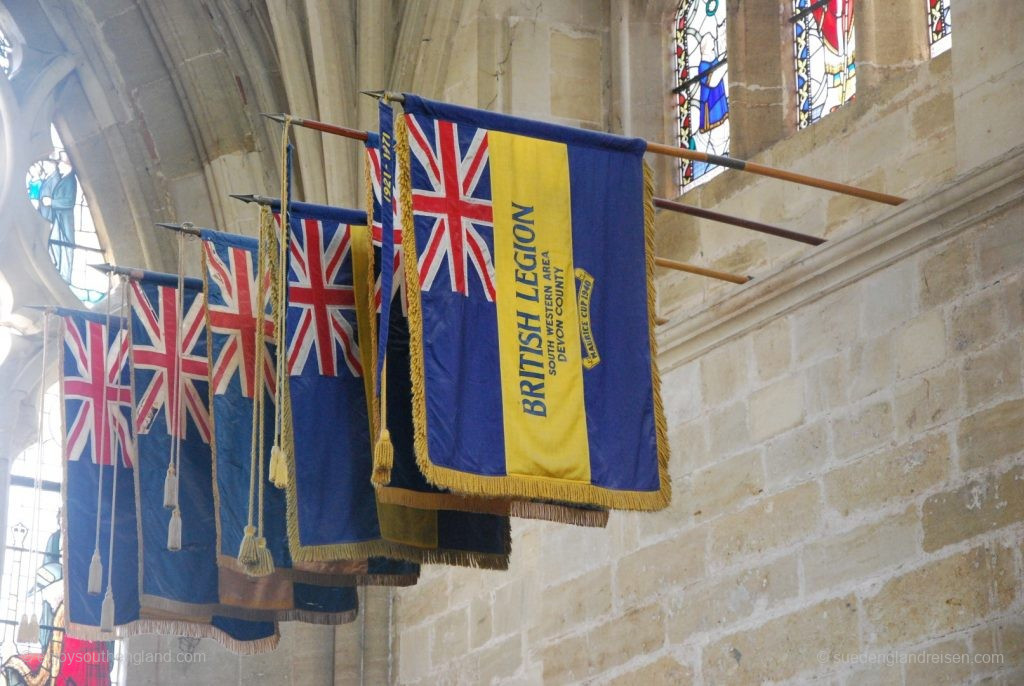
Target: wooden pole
x: 701, y: 271
x: 754, y: 168
x: 735, y: 163
x: 342, y: 131
x: 737, y: 221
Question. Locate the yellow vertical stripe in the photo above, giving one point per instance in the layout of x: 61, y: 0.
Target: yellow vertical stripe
x: 538, y: 323
x: 362, y: 253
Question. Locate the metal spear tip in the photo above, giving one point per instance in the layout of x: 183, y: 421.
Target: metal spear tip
x: 166, y: 225
x: 103, y: 267
x: 375, y: 94
x: 39, y: 308
x: 280, y: 117
x: 249, y: 197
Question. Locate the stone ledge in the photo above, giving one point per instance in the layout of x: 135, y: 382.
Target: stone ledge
x: 907, y: 229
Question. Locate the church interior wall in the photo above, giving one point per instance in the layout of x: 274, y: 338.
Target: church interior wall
x: 847, y: 455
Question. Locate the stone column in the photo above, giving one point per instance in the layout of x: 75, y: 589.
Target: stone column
x: 891, y: 39
x: 761, y: 80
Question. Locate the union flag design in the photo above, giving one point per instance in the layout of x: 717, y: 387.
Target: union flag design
x: 456, y: 199
x: 97, y: 392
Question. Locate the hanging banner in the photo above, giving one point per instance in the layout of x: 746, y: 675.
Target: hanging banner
x: 531, y: 309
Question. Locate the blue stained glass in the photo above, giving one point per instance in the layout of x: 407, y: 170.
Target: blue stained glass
x: 701, y: 85
x: 53, y: 189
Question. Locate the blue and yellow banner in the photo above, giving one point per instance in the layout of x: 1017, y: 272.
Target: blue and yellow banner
x: 531, y: 309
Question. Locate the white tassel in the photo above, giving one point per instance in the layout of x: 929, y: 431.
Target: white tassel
x: 107, y: 613
x: 24, y: 634
x: 174, y: 531
x: 95, y: 573
x: 171, y: 488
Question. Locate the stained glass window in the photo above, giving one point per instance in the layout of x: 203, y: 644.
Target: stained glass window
x: 54, y: 191
x: 826, y: 72
x: 701, y: 85
x: 6, y: 54
x: 940, y: 30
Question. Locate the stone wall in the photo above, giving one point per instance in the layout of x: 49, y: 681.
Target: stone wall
x: 848, y: 481
x: 847, y: 431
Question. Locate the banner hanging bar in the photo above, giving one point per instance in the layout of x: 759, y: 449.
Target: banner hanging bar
x: 735, y: 163
x: 700, y: 271
x: 737, y: 221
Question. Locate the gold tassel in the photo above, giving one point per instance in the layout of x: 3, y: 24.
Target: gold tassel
x: 247, y: 550
x: 171, y: 488
x: 264, y: 563
x: 174, y: 531
x: 107, y: 613
x: 278, y: 467
x: 383, y: 458
x: 24, y: 633
x: 95, y: 573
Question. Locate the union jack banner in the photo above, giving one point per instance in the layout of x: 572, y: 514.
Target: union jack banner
x: 457, y: 199
x: 237, y: 319
x: 96, y: 389
x: 160, y: 347
x: 377, y: 228
x: 321, y: 297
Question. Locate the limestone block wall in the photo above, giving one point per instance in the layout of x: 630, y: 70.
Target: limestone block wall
x: 848, y: 470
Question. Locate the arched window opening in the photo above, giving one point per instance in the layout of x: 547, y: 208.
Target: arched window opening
x: 826, y: 69
x: 940, y: 27
x: 701, y: 85
x: 54, y: 191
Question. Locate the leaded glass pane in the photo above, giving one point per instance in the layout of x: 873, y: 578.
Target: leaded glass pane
x: 701, y: 85
x: 6, y: 54
x: 940, y: 28
x: 826, y: 73
x: 54, y: 191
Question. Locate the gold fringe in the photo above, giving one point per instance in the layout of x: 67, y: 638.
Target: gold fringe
x: 461, y: 558
x: 188, y: 629
x: 660, y: 424
x: 420, y: 500
x: 321, y: 618
x: 557, y: 512
x: 520, y: 485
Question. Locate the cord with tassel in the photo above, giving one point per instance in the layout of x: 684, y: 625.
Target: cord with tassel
x: 107, y: 613
x: 279, y: 300
x: 384, y: 450
x: 253, y: 554
x: 171, y: 487
x: 174, y: 531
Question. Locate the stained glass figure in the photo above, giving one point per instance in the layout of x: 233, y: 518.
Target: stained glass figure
x: 701, y: 85
x: 826, y: 71
x: 940, y: 28
x: 6, y: 54
x: 54, y: 191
